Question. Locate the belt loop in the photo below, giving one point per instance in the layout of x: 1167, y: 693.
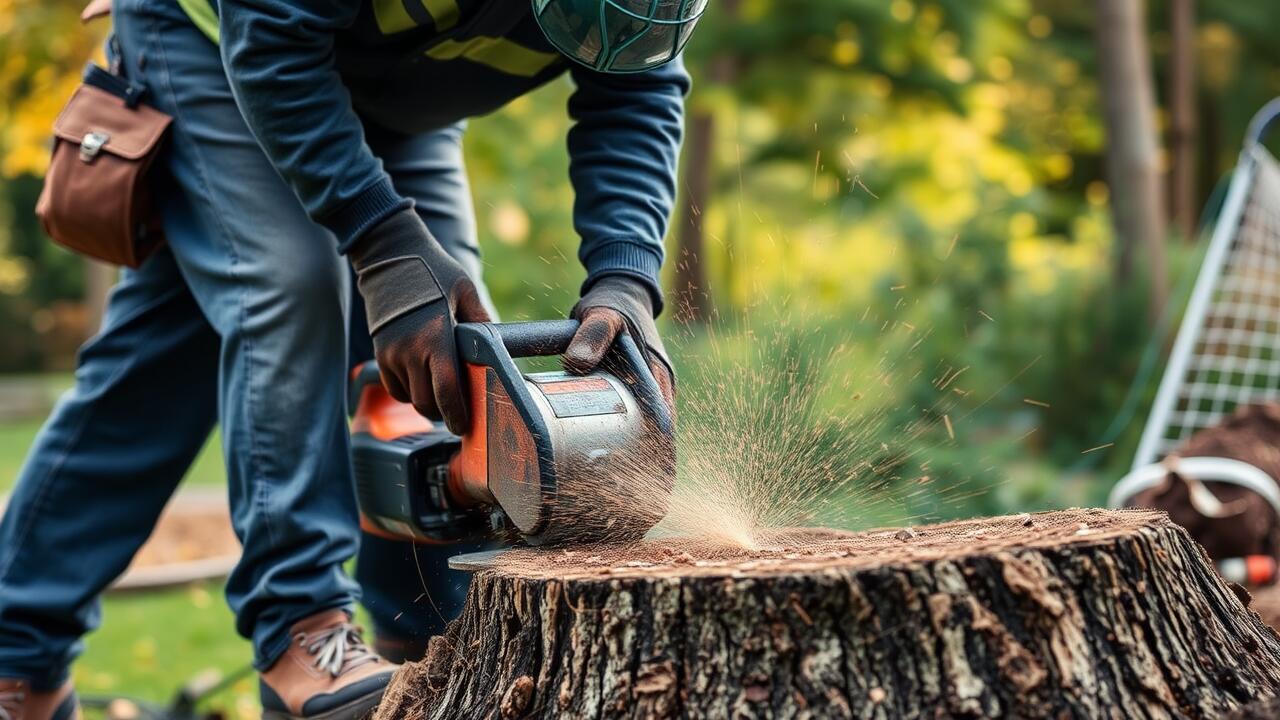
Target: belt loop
x: 116, y: 55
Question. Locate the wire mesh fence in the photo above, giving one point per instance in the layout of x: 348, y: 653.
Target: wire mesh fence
x: 1228, y: 349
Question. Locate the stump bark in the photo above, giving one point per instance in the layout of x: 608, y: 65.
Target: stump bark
x: 1088, y: 613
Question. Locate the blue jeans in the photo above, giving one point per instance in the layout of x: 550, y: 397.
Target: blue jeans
x: 243, y: 320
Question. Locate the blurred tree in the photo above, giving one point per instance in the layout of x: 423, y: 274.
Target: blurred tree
x: 1238, y: 72
x: 43, y: 48
x: 692, y: 289
x: 1133, y: 170
x: 1183, y: 200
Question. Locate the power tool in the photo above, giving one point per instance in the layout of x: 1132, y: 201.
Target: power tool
x: 552, y: 456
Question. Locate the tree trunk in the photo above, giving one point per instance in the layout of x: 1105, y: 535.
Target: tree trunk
x: 1211, y: 161
x: 1182, y: 117
x: 1089, y: 613
x: 693, y: 293
x: 1133, y: 171
x: 693, y: 303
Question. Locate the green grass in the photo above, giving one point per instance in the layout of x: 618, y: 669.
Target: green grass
x: 150, y: 644
x: 15, y: 438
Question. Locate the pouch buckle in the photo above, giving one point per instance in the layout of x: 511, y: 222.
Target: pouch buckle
x: 92, y: 144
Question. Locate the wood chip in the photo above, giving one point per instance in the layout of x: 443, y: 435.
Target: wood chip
x: 795, y: 605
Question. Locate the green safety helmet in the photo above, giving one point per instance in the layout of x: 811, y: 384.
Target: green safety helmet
x: 619, y: 36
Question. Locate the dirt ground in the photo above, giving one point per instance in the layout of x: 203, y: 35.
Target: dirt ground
x: 188, y: 530
x: 189, y: 533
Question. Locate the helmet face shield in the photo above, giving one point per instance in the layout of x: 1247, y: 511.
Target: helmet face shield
x: 619, y: 35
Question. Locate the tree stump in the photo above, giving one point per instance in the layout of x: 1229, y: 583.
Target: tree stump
x: 1084, y: 613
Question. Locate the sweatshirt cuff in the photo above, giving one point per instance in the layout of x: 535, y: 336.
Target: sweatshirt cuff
x: 628, y: 258
x: 373, y: 205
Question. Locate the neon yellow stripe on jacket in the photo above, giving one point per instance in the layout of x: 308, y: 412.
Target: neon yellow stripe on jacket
x: 498, y: 53
x: 202, y: 16
x: 392, y: 16
x: 444, y: 12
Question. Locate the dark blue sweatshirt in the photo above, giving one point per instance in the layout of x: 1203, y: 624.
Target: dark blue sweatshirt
x: 308, y: 73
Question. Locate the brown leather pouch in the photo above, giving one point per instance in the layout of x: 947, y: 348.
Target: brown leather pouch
x: 97, y: 193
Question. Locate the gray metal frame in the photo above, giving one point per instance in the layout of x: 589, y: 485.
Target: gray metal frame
x: 1153, y: 443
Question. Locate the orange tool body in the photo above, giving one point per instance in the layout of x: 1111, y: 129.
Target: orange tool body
x: 540, y: 450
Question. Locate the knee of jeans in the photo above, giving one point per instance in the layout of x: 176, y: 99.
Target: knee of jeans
x: 309, y: 290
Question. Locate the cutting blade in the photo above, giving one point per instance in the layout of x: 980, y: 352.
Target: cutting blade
x: 476, y: 561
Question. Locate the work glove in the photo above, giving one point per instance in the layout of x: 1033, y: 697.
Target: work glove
x: 414, y: 295
x: 612, y: 303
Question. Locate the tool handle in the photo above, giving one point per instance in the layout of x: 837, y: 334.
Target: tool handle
x: 537, y: 338
x: 479, y: 343
x: 521, y: 339
x: 627, y: 362
x: 362, y: 376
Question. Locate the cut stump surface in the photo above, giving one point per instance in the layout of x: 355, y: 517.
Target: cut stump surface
x: 1086, y: 613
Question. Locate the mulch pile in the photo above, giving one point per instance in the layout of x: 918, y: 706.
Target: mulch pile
x: 1266, y: 602
x: 1251, y: 435
x: 189, y: 533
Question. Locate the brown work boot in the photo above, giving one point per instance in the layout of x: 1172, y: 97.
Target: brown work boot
x: 19, y: 702
x: 328, y: 673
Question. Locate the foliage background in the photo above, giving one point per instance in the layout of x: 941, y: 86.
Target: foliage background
x: 899, y: 191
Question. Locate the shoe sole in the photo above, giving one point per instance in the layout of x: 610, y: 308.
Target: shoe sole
x: 357, y: 709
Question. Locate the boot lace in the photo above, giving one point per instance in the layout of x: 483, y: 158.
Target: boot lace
x: 11, y: 703
x: 337, y: 650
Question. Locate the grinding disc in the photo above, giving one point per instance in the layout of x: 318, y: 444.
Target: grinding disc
x: 475, y: 561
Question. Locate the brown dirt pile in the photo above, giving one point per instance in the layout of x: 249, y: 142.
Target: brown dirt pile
x: 188, y: 534
x: 1251, y: 435
x: 1266, y: 602
x: 186, y: 531
x: 800, y: 550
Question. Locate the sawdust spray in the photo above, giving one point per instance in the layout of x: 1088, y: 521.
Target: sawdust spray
x: 785, y: 428
x: 775, y: 433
